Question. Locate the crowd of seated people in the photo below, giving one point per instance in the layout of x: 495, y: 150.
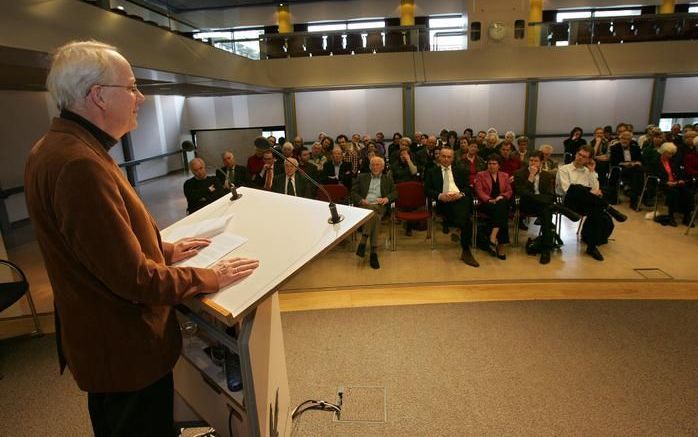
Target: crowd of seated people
x: 478, y: 170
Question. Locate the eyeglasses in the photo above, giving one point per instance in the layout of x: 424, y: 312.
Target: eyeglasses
x: 132, y: 88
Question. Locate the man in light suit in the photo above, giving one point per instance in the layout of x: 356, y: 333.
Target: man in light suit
x: 448, y: 185
x: 373, y: 191
x: 291, y: 183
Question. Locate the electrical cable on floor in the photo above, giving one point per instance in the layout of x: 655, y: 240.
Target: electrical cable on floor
x: 312, y: 404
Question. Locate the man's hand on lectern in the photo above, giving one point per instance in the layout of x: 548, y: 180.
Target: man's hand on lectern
x: 234, y: 269
x: 188, y: 247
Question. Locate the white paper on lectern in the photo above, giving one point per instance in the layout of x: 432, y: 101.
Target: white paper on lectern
x: 221, y: 245
x: 207, y: 228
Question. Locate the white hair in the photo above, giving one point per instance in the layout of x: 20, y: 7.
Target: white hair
x: 510, y: 134
x: 293, y: 161
x: 669, y: 148
x: 76, y: 67
x: 545, y: 147
x: 287, y: 146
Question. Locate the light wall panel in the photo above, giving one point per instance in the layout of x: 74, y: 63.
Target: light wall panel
x: 481, y: 106
x: 254, y: 110
x: 588, y: 104
x: 364, y: 111
x: 681, y: 95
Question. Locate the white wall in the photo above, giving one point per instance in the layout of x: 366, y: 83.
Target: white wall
x: 588, y: 104
x: 363, y: 111
x: 681, y: 95
x: 455, y: 107
x: 254, y: 110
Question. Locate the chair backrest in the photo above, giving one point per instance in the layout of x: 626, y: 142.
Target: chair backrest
x: 338, y: 193
x: 410, y: 195
x: 11, y: 292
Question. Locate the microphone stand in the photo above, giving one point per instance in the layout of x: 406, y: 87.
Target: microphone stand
x: 335, y: 217
x: 234, y: 195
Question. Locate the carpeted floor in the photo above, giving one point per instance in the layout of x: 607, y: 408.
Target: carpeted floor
x: 495, y: 368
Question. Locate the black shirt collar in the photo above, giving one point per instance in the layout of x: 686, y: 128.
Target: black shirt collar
x: 104, y: 138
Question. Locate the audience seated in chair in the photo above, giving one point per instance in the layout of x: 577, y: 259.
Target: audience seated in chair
x: 373, y: 190
x: 201, y: 189
x: 627, y: 155
x: 600, y: 145
x: 522, y: 149
x: 490, y: 145
x: 255, y: 163
x: 494, y: 192
x: 291, y: 183
x: 578, y: 183
x: 472, y: 161
x: 317, y: 156
x: 402, y: 166
x: 336, y: 170
x: 447, y: 184
x: 573, y: 143
x: 510, y: 161
x: 265, y: 178
x: 426, y: 155
x: 677, y: 186
x: 548, y: 164
x: 536, y: 192
x: 231, y: 174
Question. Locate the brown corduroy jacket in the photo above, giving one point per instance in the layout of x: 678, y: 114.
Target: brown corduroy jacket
x: 108, y: 267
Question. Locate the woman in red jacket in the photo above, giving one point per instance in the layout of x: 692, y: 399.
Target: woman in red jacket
x: 494, y: 191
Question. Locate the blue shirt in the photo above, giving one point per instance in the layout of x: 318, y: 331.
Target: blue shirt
x: 374, y: 189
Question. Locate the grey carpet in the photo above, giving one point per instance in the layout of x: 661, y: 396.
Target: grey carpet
x: 498, y: 368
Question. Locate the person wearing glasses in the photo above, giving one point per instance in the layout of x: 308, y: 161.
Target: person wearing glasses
x: 113, y: 279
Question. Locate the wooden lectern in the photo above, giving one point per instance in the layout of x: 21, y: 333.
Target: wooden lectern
x: 284, y: 233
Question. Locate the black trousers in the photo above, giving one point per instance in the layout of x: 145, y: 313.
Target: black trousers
x: 457, y: 213
x: 580, y: 200
x: 542, y: 206
x: 146, y: 412
x: 498, y: 217
x: 634, y: 177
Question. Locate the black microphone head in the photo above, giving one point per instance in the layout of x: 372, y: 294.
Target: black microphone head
x: 261, y: 143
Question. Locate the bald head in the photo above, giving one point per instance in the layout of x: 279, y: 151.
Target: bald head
x: 198, y: 168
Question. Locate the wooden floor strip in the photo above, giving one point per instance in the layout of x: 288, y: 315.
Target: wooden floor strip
x: 482, y: 292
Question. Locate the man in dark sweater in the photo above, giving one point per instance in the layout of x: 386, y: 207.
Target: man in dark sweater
x: 201, y: 189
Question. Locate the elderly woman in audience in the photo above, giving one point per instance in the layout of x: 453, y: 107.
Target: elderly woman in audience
x: 548, y: 163
x: 491, y: 141
x: 679, y: 197
x: 509, y: 138
x: 494, y: 191
x: 573, y: 143
x: 287, y: 150
x: 522, y: 148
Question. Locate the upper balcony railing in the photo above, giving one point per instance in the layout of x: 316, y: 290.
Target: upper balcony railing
x: 618, y: 30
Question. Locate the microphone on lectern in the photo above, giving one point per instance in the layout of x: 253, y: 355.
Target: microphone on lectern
x: 262, y: 144
x: 234, y: 195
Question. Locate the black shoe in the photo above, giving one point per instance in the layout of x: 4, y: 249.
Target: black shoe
x: 537, y: 222
x: 633, y: 204
x: 500, y: 252
x: 672, y: 222
x: 545, y: 257
x: 594, y: 252
x: 570, y: 214
x: 468, y: 258
x: 373, y: 261
x: 444, y: 228
x: 619, y: 216
x: 522, y: 225
x: 361, y: 250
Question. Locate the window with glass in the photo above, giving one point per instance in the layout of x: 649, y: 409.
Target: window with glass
x: 243, y: 42
x: 596, y: 13
x: 447, y: 33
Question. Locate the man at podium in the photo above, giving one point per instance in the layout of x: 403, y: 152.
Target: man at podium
x: 113, y: 281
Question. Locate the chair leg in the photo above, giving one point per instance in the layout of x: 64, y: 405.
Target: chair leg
x: 391, y: 234
x: 693, y: 219
x: 431, y: 225
x: 642, y: 196
x: 473, y: 243
x: 579, y: 228
x: 35, y: 316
